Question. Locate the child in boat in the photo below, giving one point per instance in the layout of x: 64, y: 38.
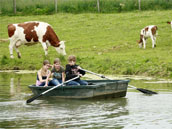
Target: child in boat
x: 43, y: 75
x: 58, y: 72
x: 73, y: 70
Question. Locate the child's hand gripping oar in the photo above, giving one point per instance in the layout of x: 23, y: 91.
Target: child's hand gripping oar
x: 145, y: 91
x: 37, y: 96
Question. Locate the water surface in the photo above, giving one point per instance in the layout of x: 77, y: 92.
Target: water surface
x: 135, y: 111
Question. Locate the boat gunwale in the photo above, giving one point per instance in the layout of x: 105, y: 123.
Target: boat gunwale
x: 93, y: 86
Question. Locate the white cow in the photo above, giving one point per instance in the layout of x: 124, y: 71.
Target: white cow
x: 29, y: 33
x: 148, y: 31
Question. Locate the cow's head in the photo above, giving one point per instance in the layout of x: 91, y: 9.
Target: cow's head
x: 140, y: 42
x: 61, y: 48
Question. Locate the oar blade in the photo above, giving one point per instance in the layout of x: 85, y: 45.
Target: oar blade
x: 146, y: 91
x: 33, y: 98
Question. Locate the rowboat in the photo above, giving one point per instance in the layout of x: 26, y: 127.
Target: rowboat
x: 94, y: 89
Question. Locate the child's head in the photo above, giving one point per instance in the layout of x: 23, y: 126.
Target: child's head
x: 57, y: 63
x: 46, y: 64
x: 72, y: 60
x: 57, y: 60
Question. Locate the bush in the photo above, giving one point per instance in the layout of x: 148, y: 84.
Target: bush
x: 39, y: 7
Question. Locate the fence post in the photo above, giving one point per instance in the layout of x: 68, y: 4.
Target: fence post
x: 98, y: 5
x: 14, y: 6
x: 55, y: 2
x: 139, y: 4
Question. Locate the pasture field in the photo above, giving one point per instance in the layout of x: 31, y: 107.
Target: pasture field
x: 103, y: 43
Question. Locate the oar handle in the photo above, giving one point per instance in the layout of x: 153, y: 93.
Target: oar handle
x: 102, y: 76
x: 59, y: 85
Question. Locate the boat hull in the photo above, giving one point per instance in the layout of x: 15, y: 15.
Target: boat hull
x: 95, y: 89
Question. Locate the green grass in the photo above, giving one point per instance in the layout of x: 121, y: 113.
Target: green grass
x: 103, y: 43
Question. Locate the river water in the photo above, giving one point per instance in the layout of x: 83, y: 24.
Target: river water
x: 135, y: 111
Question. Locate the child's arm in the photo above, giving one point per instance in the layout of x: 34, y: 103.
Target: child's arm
x: 48, y: 78
x: 52, y: 73
x: 63, y: 77
x: 81, y: 71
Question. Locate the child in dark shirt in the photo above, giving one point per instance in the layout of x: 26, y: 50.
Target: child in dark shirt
x: 72, y: 71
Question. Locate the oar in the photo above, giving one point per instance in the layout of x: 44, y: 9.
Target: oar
x: 139, y: 89
x: 37, y: 96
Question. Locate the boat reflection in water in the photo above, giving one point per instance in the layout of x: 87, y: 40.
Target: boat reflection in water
x: 100, y: 113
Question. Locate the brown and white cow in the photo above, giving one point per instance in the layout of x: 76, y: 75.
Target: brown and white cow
x: 29, y: 33
x: 170, y: 23
x: 148, y: 31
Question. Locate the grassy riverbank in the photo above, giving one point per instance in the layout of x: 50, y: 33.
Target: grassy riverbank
x: 103, y: 43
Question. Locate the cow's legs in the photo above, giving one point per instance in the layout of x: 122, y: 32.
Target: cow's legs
x: 144, y: 43
x: 154, y: 37
x: 153, y: 41
x: 18, y: 52
x: 11, y: 45
x: 14, y: 43
x: 44, y: 45
x: 16, y: 46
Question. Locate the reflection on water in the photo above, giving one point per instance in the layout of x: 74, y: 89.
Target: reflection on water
x: 14, y: 89
x: 136, y: 110
x: 58, y: 113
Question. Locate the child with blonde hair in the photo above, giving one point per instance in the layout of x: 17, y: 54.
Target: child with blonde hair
x: 43, y: 75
